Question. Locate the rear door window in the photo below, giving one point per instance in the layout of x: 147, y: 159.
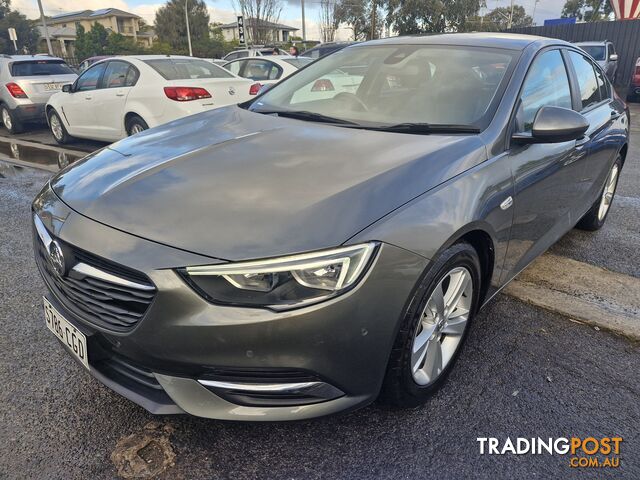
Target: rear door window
x: 115, y: 75
x: 32, y: 68
x: 262, y: 70
x: 186, y: 68
x: 586, y: 77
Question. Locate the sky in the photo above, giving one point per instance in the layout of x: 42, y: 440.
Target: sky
x: 224, y: 10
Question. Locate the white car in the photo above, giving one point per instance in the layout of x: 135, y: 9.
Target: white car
x: 253, y: 52
x: 120, y: 96
x: 267, y: 70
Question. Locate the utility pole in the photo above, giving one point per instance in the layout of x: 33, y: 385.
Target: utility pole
x: 533, y: 16
x: 186, y: 17
x: 511, y: 16
x: 304, y: 29
x: 373, y: 20
x: 46, y: 30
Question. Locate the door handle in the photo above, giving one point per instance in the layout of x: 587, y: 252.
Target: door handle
x: 119, y: 94
x: 88, y: 98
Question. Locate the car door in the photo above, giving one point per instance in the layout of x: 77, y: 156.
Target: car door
x: 78, y: 108
x: 546, y: 175
x: 110, y: 100
x: 596, y: 103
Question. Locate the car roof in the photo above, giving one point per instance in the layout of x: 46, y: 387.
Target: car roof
x: 154, y: 57
x: 510, y: 41
x: 602, y: 42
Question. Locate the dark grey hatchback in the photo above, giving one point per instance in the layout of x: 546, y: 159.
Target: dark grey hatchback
x: 330, y: 241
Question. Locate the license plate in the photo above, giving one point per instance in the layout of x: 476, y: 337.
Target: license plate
x: 52, y: 86
x: 69, y: 335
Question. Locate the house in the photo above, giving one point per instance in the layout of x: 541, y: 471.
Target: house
x: 62, y: 28
x: 273, y: 32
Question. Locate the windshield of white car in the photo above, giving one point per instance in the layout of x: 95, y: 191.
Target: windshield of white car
x: 596, y: 51
x: 374, y: 86
x: 32, y: 68
x: 187, y: 68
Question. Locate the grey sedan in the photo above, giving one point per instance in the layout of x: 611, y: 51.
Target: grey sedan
x: 330, y: 241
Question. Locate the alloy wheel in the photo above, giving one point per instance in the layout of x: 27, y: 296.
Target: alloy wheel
x: 136, y: 128
x: 442, y: 325
x: 56, y: 127
x: 608, y: 192
x: 6, y: 119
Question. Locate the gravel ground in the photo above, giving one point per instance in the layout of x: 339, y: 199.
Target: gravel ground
x: 524, y: 372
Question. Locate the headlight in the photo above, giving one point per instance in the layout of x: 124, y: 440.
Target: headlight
x: 282, y: 283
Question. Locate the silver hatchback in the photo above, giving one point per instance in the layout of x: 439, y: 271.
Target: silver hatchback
x: 27, y: 82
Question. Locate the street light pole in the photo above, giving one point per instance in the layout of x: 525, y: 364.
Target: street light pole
x: 304, y: 29
x: 186, y: 17
x: 46, y: 30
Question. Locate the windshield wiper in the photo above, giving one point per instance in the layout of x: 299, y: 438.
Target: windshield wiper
x: 305, y: 115
x: 426, y: 128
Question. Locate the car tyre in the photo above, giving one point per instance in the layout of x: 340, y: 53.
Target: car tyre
x: 135, y: 124
x: 404, y: 384
x: 596, y: 216
x: 57, y: 128
x: 10, y: 122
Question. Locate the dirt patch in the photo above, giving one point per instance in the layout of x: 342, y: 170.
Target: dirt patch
x: 144, y: 454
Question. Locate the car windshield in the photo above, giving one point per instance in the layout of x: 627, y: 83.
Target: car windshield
x: 40, y: 67
x: 596, y: 51
x: 394, y: 85
x: 186, y: 68
x: 298, y: 62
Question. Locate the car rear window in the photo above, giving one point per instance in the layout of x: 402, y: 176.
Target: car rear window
x: 31, y: 68
x: 185, y: 68
x: 299, y: 62
x: 596, y: 51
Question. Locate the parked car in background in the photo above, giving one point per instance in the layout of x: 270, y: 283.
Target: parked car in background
x: 254, y: 52
x: 27, y: 82
x: 121, y: 96
x: 90, y: 61
x: 605, y: 54
x: 290, y: 257
x: 325, y: 49
x: 267, y: 70
x: 634, y: 87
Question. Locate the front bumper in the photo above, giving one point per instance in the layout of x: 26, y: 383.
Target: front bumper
x: 188, y: 355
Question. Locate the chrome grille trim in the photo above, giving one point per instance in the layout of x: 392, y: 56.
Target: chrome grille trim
x: 96, y: 296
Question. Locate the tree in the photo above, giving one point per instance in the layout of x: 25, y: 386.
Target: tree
x: 256, y: 14
x: 171, y: 27
x: 118, y: 44
x: 329, y: 22
x: 430, y: 16
x: 587, y: 10
x: 500, y: 18
x: 91, y: 43
x: 26, y: 30
x: 358, y: 15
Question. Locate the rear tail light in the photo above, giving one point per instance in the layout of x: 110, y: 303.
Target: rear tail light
x: 15, y: 90
x: 185, y: 94
x: 636, y: 76
x: 255, y: 88
x: 322, y: 85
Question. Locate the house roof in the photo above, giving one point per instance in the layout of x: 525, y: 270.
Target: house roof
x: 90, y: 14
x: 249, y: 22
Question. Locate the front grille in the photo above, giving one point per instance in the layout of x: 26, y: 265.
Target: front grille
x: 99, y: 301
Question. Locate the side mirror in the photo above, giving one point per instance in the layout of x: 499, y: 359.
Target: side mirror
x: 613, y: 57
x: 68, y: 88
x: 554, y: 125
x: 264, y: 88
